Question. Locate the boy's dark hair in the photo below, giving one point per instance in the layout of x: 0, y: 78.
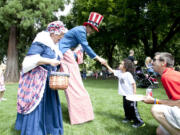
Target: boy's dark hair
x: 129, y: 66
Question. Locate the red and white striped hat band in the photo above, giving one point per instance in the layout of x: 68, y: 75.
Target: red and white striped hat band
x: 94, y: 20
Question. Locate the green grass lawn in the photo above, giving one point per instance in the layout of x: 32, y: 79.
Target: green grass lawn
x: 107, y: 105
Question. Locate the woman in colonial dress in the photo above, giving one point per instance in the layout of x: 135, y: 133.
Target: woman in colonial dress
x: 79, y: 103
x: 38, y: 106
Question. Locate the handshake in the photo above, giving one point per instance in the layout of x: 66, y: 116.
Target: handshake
x: 101, y: 60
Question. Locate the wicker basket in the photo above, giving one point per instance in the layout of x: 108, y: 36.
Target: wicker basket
x: 58, y: 80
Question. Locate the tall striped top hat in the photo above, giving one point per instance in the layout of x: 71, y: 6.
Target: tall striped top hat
x: 94, y: 20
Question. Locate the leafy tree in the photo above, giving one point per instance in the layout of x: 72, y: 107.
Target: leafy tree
x: 144, y: 25
x: 20, y: 20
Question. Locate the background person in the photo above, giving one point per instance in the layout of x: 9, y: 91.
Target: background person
x: 44, y: 115
x: 149, y: 66
x: 166, y: 112
x: 79, y: 103
x: 84, y: 73
x: 2, y: 84
x: 131, y: 57
x: 104, y: 70
x: 96, y: 74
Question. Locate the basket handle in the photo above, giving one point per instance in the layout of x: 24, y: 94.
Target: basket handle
x: 61, y: 64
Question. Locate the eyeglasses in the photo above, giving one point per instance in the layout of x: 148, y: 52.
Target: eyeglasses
x: 154, y: 59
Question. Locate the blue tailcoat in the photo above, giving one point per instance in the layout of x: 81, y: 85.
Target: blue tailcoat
x: 73, y: 37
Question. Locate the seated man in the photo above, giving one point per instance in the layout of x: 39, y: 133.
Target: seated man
x: 166, y: 112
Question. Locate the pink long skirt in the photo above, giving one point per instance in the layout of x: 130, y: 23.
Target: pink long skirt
x: 79, y: 103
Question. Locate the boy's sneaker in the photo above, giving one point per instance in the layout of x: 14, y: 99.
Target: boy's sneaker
x: 137, y: 125
x: 125, y: 120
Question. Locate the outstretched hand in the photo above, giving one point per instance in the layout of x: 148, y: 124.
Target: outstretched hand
x: 102, y: 61
x: 105, y: 63
x: 54, y: 62
x: 148, y: 100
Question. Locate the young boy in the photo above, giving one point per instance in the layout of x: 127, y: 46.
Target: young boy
x: 127, y: 86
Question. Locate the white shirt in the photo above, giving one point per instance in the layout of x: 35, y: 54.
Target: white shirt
x: 42, y: 37
x: 125, y: 82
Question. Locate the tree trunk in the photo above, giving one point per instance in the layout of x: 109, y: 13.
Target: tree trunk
x: 175, y: 28
x: 109, y: 52
x: 155, y: 42
x: 12, y: 72
x: 144, y: 39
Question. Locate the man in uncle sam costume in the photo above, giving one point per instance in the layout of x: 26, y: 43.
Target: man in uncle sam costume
x: 79, y: 103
